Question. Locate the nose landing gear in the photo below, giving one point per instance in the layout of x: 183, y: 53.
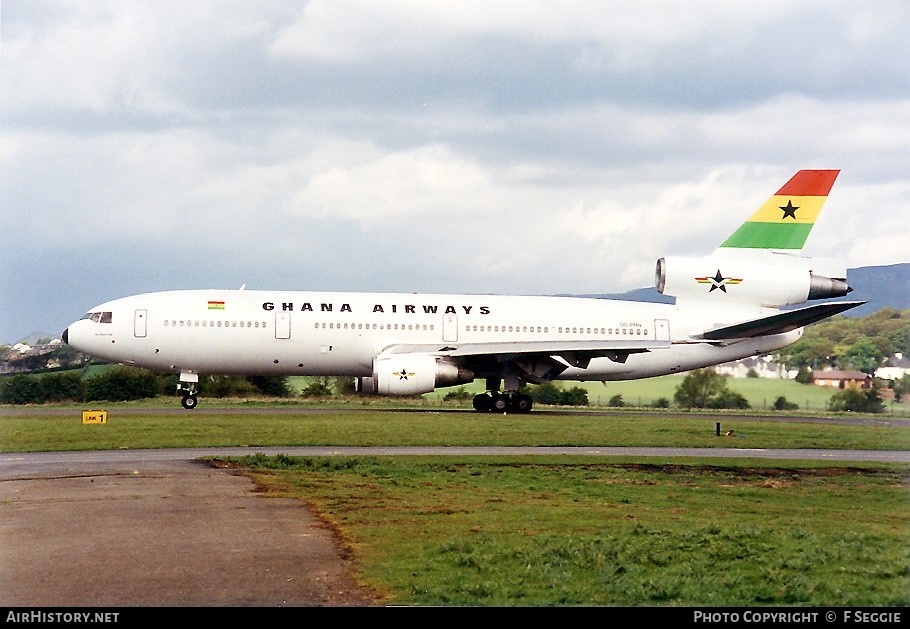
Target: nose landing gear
x: 187, y: 387
x: 189, y: 401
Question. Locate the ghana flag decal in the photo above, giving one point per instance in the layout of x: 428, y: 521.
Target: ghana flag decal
x: 785, y: 220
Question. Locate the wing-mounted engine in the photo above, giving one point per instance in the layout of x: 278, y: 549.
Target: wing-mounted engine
x: 771, y: 280
x: 412, y: 374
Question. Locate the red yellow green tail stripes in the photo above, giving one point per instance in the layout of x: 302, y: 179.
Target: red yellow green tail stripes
x: 785, y: 220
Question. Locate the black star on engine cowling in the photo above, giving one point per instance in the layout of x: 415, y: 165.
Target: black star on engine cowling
x: 718, y: 281
x: 789, y: 210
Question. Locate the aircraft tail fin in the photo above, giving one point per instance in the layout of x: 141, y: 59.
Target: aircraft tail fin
x: 785, y: 220
x: 761, y: 263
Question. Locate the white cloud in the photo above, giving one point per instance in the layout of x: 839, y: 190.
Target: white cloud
x: 505, y: 147
x: 396, y: 186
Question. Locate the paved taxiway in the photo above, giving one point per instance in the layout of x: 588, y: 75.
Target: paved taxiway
x: 159, y: 528
x: 142, y: 530
x: 25, y: 465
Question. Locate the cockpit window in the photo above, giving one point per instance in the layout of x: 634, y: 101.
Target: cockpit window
x: 98, y: 317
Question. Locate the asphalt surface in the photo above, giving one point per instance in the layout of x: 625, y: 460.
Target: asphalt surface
x: 162, y: 534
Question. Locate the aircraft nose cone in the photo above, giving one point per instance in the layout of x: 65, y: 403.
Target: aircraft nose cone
x: 66, y: 336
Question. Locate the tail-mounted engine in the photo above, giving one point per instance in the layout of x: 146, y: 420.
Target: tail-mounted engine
x: 773, y: 280
x: 412, y: 374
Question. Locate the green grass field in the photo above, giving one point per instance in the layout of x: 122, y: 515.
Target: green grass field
x: 556, y: 531
x: 163, y: 424
x: 760, y: 392
x: 574, y: 531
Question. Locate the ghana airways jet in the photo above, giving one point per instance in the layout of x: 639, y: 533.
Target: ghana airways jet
x: 728, y: 306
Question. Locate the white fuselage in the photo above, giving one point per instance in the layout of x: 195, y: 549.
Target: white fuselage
x: 340, y: 334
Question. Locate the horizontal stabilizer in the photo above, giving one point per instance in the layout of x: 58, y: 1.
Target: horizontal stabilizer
x: 779, y: 323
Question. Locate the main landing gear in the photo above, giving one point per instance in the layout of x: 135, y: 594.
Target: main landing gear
x: 507, y: 402
x: 187, y: 387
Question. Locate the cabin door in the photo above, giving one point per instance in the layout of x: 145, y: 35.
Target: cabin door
x: 140, y: 323
x: 661, y: 330
x: 283, y: 325
x: 450, y: 328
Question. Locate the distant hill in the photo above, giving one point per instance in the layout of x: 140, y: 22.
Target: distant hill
x: 880, y: 286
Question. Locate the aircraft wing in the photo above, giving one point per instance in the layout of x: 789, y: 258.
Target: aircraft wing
x: 779, y: 323
x: 589, y: 348
x: 538, y: 361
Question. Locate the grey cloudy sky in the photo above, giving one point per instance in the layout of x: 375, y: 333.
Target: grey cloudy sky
x: 435, y: 146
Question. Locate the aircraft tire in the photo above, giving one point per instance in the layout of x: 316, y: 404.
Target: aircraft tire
x: 500, y: 403
x: 483, y: 403
x: 523, y: 404
x: 189, y: 402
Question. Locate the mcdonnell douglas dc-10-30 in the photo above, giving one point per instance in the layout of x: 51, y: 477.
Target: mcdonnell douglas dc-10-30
x: 728, y: 306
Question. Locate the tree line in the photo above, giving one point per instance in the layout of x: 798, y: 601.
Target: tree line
x: 699, y: 389
x: 122, y: 384
x: 861, y: 343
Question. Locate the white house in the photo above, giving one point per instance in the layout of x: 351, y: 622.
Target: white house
x: 894, y: 368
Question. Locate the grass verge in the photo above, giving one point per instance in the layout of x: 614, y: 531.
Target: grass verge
x: 538, y: 531
x: 141, y: 426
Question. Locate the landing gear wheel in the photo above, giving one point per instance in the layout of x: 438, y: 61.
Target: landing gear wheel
x: 189, y: 402
x: 483, y: 403
x: 500, y: 403
x: 523, y: 404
